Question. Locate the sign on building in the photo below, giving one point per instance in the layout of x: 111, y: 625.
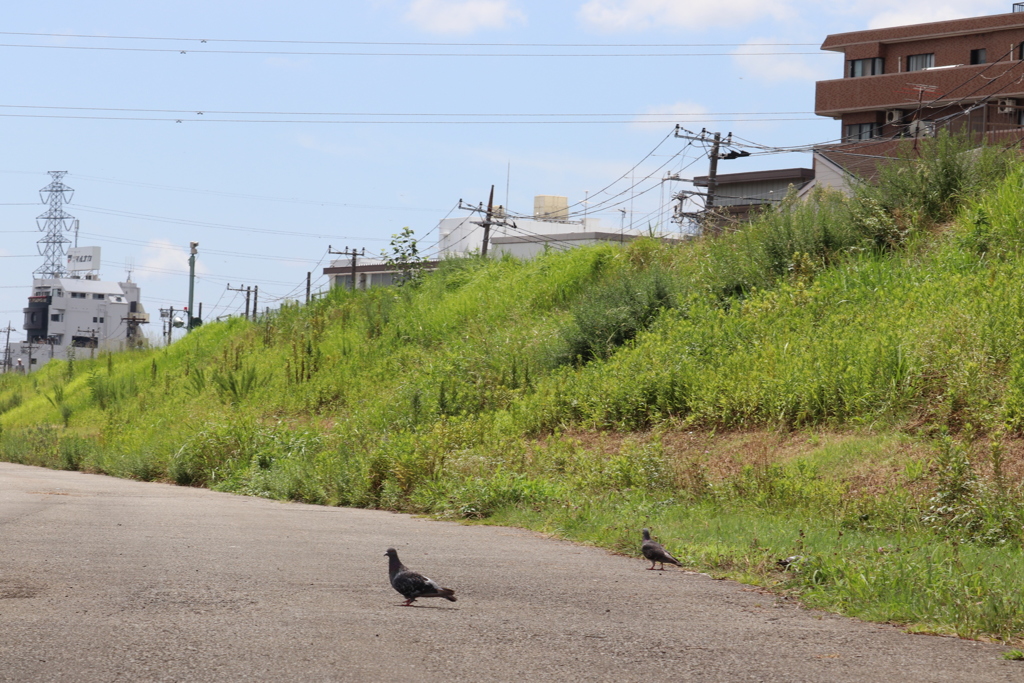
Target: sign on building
x: 81, y: 259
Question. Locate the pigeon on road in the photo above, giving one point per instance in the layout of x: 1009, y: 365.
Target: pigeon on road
x: 655, y: 552
x: 412, y: 585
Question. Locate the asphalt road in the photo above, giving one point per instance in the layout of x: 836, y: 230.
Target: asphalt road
x: 104, y: 579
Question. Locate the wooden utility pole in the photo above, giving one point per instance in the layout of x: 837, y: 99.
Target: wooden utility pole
x: 93, y: 339
x: 247, y: 290
x: 255, y: 300
x: 168, y: 313
x: 347, y: 252
x: 709, y: 203
x: 308, y: 275
x: 28, y: 368
x: 7, y: 347
x: 713, y: 156
x: 488, y: 220
x: 487, y: 223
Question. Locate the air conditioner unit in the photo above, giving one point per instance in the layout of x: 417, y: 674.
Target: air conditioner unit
x: 921, y: 129
x: 1007, y: 106
x: 894, y: 116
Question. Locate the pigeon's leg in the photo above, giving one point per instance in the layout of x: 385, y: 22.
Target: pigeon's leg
x: 662, y: 568
x: 408, y: 602
x: 652, y: 565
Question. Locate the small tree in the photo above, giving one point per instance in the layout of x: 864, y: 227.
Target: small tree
x: 405, y: 256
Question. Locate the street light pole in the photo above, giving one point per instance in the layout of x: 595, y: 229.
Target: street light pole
x: 191, y: 280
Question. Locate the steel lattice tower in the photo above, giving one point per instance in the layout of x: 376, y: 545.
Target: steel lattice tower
x: 54, y: 223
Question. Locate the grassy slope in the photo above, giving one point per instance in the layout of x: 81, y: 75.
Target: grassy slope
x: 842, y: 382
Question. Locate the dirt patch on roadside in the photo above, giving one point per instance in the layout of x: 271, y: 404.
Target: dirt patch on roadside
x: 870, y: 463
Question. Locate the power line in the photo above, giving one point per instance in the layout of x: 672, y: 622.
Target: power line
x: 171, y: 247
x: 474, y: 55
x: 398, y: 114
x: 216, y: 226
x: 455, y: 122
x: 362, y: 42
x: 220, y: 193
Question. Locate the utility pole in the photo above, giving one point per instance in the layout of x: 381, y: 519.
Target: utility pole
x: 247, y: 291
x: 487, y: 223
x: 255, y: 299
x: 713, y: 156
x: 308, y: 275
x: 347, y: 252
x: 488, y: 219
x: 709, y: 203
x: 93, y: 340
x: 132, y: 322
x: 167, y: 315
x: 7, y: 347
x: 29, y: 366
x: 191, y: 280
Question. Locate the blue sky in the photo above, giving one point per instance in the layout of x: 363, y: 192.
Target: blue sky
x: 340, y: 123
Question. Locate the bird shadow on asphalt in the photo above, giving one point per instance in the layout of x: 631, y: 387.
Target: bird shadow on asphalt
x: 453, y: 609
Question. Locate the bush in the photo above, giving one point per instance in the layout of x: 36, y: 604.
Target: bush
x: 613, y: 313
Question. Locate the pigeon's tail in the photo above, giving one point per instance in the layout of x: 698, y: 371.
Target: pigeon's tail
x: 447, y: 594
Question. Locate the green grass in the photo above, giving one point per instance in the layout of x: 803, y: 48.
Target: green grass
x: 843, y: 380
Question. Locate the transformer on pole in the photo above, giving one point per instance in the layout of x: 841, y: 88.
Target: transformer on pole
x: 54, y: 223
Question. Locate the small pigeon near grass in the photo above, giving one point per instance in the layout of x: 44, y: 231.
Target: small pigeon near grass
x: 655, y: 552
x: 412, y: 585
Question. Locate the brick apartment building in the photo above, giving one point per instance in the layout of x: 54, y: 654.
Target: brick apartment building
x: 966, y: 75
x: 962, y: 75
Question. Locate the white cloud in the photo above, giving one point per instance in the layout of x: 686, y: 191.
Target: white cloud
x: 684, y: 113
x: 775, y: 68
x: 161, y: 258
x: 638, y: 15
x: 885, y: 13
x: 462, y: 16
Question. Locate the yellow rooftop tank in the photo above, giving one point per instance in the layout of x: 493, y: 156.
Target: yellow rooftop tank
x: 550, y: 207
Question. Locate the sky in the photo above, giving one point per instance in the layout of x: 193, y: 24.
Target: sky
x: 271, y: 132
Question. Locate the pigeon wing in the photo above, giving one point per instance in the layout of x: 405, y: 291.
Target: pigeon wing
x: 412, y: 585
x: 655, y: 552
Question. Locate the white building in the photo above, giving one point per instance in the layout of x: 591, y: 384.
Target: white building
x: 523, y: 237
x: 78, y: 314
x: 527, y: 236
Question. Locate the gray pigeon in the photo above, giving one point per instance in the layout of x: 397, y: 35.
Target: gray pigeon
x: 412, y: 585
x: 655, y: 552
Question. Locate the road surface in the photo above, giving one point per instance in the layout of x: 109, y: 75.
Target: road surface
x: 105, y: 579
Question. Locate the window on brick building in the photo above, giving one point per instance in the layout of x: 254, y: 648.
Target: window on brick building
x: 920, y: 62
x: 865, y: 67
x: 861, y: 131
x: 978, y: 56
